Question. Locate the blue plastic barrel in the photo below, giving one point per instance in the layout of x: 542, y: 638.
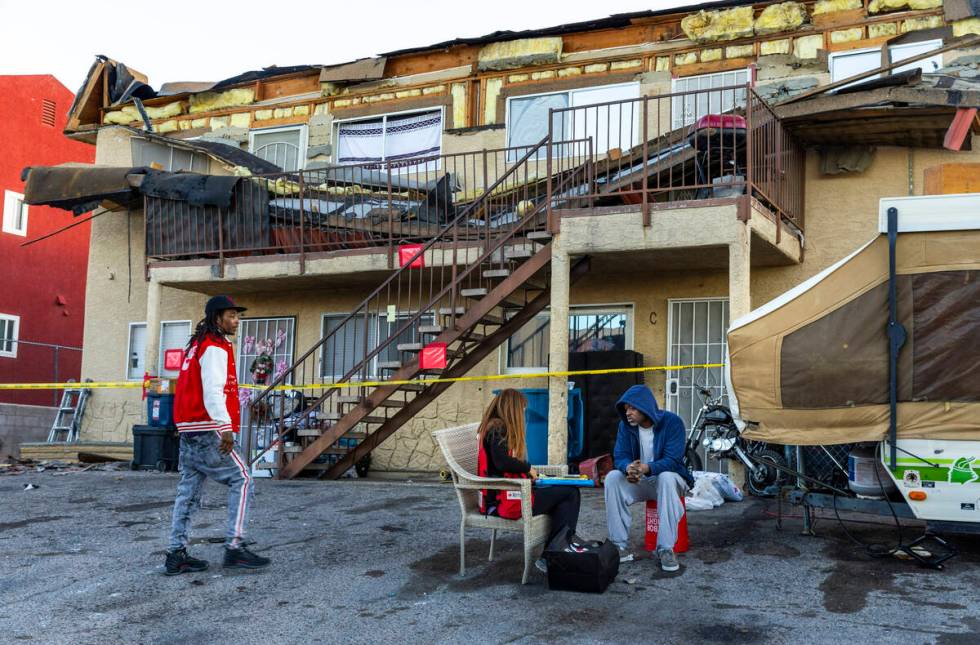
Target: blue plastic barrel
x: 159, y: 410
x: 536, y: 422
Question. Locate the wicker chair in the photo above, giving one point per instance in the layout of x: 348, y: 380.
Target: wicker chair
x: 460, y: 448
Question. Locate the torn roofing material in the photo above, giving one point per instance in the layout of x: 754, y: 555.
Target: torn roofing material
x: 82, y: 187
x: 365, y: 69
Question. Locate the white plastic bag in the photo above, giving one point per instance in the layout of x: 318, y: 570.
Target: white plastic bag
x: 706, y: 492
x: 728, y: 489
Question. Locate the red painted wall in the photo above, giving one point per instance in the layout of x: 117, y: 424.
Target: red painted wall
x: 35, y: 278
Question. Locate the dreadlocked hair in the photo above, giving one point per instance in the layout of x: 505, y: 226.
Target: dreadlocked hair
x: 207, y: 327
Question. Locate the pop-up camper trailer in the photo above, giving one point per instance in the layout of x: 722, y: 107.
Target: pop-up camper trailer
x: 815, y: 366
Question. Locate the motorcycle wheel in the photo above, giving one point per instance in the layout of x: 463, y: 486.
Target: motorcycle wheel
x: 760, y: 485
x: 693, y: 460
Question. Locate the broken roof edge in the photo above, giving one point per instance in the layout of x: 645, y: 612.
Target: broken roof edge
x: 229, y: 155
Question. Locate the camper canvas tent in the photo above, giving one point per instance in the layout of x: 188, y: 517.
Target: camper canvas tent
x: 812, y: 366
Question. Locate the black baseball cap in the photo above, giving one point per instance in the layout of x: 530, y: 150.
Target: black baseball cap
x: 220, y: 303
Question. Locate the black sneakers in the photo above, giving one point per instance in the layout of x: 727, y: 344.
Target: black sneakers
x: 179, y: 562
x: 242, y: 558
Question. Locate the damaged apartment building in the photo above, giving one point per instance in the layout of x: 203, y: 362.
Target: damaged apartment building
x: 602, y: 194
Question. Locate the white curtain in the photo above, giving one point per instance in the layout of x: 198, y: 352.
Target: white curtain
x: 415, y: 135
x: 361, y: 142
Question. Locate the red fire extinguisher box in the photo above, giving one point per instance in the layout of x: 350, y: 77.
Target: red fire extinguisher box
x: 433, y: 357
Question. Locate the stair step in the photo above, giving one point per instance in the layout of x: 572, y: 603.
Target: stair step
x: 450, y: 311
x: 473, y: 293
x: 349, y: 399
x: 519, y: 253
x: 496, y: 273
x: 490, y: 319
x: 431, y: 329
x: 316, y: 432
x: 412, y: 387
x: 389, y: 365
x: 538, y: 235
x: 409, y: 347
x: 292, y: 449
x: 391, y: 403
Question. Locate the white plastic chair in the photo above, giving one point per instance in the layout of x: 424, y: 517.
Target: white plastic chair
x: 460, y: 448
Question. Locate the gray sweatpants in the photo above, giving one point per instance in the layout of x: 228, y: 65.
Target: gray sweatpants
x: 200, y: 459
x: 666, y: 488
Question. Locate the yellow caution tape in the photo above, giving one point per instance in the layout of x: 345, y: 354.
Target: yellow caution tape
x: 358, y: 384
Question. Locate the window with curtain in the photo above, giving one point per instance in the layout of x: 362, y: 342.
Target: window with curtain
x: 686, y: 109
x: 347, y: 344
x: 390, y: 138
x: 609, y: 126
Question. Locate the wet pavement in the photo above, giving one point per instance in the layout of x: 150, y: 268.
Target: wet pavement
x: 377, y: 561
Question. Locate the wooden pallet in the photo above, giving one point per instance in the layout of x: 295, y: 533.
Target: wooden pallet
x: 42, y: 451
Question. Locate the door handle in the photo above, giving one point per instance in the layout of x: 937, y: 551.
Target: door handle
x: 673, y: 387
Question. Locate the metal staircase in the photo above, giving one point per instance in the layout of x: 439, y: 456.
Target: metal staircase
x: 481, y: 278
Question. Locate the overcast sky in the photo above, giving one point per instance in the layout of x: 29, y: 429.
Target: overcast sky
x: 208, y: 40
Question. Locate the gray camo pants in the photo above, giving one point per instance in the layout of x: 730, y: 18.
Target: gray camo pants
x: 200, y: 459
x: 666, y: 488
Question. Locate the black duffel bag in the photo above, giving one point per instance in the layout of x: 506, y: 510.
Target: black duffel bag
x: 580, y: 565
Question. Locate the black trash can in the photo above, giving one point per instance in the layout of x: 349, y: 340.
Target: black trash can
x: 155, y: 448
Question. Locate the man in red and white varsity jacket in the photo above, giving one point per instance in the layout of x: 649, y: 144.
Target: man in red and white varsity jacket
x: 207, y: 414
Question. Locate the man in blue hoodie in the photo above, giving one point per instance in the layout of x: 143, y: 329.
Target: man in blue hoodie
x: 649, y: 461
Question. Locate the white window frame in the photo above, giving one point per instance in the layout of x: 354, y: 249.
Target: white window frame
x: 304, y: 140
x: 566, y: 151
x: 10, y: 318
x: 164, y: 323
x: 835, y: 56
x: 750, y: 78
x: 335, y: 130
x: 129, y: 346
x: 627, y: 308
x: 11, y: 199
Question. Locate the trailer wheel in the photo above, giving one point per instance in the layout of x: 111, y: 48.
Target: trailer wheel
x: 767, y: 482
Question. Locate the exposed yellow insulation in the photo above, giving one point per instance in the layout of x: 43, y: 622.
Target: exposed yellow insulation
x: 598, y: 67
x: 321, y: 108
x: 846, y: 35
x: 303, y: 110
x: 490, y: 102
x: 686, y: 59
x: 263, y: 115
x: 711, y: 26
x: 917, y: 24
x: 625, y: 64
x: 459, y: 104
x: 403, y: 94
x: 520, y: 53
x: 832, y: 6
x: 241, y: 120
x: 964, y: 27
x: 708, y: 55
x: 341, y: 103
x: 166, y: 126
x: 218, y: 122
x: 548, y: 73
x: 185, y: 125
x: 807, y: 46
x: 880, y: 6
x: 569, y: 71
x: 879, y: 29
x: 517, y: 78
x: 330, y: 89
x: 208, y: 101
x: 435, y: 89
x: 740, y: 51
x: 780, y: 17
x: 772, y: 47
x: 129, y: 113
x: 663, y: 64
x: 282, y: 113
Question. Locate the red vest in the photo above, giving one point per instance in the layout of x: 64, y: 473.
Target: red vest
x: 217, y: 409
x: 507, y: 502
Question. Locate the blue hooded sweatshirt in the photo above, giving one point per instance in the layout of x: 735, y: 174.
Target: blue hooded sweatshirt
x: 669, y: 437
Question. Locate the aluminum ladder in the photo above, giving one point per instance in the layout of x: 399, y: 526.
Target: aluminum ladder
x: 73, y: 402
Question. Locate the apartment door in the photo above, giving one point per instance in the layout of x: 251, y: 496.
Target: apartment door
x: 697, y: 334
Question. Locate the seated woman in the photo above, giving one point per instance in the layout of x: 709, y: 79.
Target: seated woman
x: 503, y: 453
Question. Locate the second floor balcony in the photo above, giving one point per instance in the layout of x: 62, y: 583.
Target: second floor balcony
x: 702, y: 147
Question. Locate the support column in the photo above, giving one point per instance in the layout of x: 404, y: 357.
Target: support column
x: 739, y: 300
x: 151, y: 353
x: 558, y: 356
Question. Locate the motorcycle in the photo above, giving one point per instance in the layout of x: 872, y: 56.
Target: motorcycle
x: 716, y: 428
